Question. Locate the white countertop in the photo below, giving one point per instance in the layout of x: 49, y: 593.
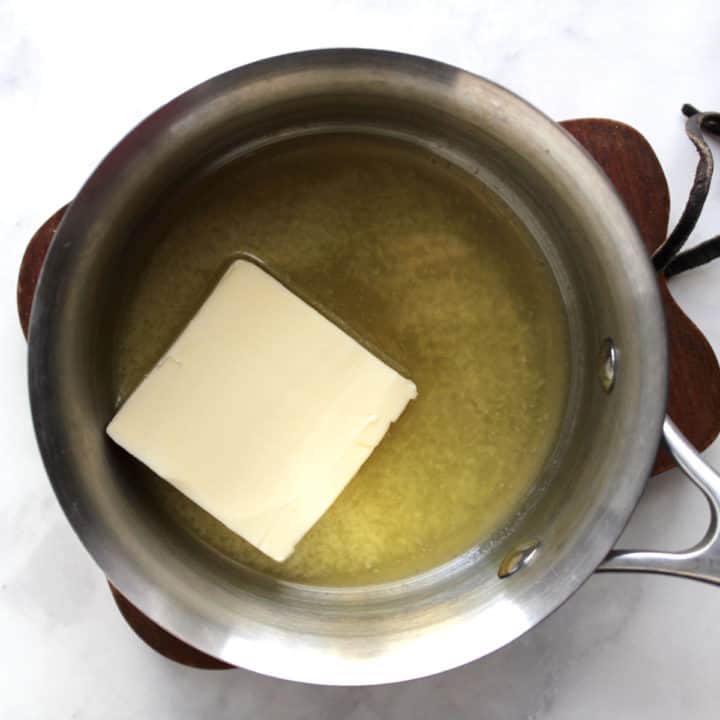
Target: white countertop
x: 74, y: 77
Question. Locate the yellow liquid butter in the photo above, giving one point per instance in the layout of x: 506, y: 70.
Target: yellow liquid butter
x: 423, y: 265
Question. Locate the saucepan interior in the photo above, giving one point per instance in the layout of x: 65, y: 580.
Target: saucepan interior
x: 589, y: 483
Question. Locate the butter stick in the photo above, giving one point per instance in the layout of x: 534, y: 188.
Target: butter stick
x: 262, y: 411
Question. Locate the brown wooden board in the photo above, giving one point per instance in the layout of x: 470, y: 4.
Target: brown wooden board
x: 694, y: 383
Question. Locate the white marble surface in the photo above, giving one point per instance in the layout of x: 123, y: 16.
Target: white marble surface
x: 74, y: 76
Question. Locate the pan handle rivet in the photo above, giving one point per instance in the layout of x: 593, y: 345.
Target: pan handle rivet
x: 607, y: 364
x: 518, y: 558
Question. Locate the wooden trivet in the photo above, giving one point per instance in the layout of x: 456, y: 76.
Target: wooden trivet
x: 694, y: 381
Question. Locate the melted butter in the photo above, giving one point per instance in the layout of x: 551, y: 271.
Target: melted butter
x: 422, y: 263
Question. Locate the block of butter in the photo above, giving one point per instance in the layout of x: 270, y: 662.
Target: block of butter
x: 261, y: 411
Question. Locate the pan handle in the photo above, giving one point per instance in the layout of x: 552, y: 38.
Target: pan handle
x: 701, y: 562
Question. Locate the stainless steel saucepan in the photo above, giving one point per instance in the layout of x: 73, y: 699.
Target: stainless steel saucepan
x: 490, y: 595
